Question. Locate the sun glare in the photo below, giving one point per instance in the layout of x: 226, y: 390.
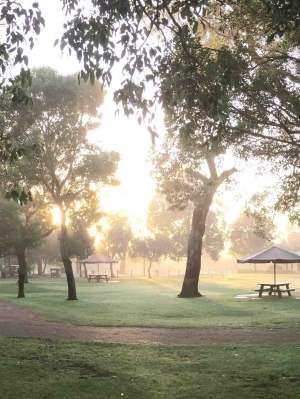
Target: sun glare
x: 132, y: 141
x: 56, y: 216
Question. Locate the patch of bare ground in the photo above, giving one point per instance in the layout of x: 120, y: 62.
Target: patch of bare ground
x: 17, y: 321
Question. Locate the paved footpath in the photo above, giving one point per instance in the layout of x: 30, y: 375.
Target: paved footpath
x: 17, y: 321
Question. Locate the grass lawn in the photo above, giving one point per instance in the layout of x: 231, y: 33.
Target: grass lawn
x: 33, y: 369
x: 154, y: 303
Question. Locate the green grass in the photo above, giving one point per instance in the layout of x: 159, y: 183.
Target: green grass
x: 154, y: 303
x: 33, y: 369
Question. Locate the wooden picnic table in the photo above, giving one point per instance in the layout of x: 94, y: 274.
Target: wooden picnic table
x: 98, y: 277
x: 274, y: 289
x: 54, y: 272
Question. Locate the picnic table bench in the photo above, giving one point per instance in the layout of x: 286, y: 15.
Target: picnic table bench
x: 98, y: 277
x: 274, y: 289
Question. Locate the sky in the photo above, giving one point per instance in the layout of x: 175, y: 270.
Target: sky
x: 131, y: 140
x: 116, y: 133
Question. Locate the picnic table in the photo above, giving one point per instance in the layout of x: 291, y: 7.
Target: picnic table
x: 54, y: 272
x: 98, y: 277
x: 274, y: 289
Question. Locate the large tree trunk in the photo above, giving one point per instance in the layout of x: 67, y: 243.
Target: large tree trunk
x: 21, y: 273
x: 67, y: 261
x: 202, y: 205
x: 194, y: 253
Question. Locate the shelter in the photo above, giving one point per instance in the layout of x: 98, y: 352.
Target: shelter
x: 99, y: 260
x: 275, y: 255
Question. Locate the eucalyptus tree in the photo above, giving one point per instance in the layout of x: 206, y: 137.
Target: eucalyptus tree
x: 22, y: 228
x: 174, y: 224
x: 116, y: 239
x: 20, y: 26
x: 144, y: 30
x: 47, y: 253
x: 245, y: 239
x: 189, y: 167
x: 254, y: 228
x: 65, y: 164
x: 215, y: 235
x: 139, y: 249
x: 151, y: 249
x: 189, y: 174
x: 82, y: 217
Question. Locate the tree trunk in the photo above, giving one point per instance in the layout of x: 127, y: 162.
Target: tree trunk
x: 144, y: 267
x: 112, y: 274
x: 149, y: 269
x: 66, y: 260
x: 40, y: 266
x: 45, y: 265
x: 85, y: 271
x: 123, y: 265
x: 80, y: 269
x: 21, y: 273
x: 26, y: 276
x: 194, y: 253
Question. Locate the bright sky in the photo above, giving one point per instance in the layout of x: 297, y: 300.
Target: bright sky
x: 116, y: 133
x: 130, y: 139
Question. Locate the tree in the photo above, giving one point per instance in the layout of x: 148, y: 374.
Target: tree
x: 244, y: 237
x: 46, y: 253
x: 66, y: 165
x: 158, y: 247
x: 247, y: 79
x: 81, y: 243
x: 182, y: 180
x: 91, y: 32
x: 188, y: 169
x: 214, y: 238
x: 174, y: 224
x: 254, y: 228
x: 145, y: 30
x: 151, y: 249
x: 20, y: 26
x: 291, y: 239
x: 139, y: 249
x: 117, y: 238
x: 22, y: 228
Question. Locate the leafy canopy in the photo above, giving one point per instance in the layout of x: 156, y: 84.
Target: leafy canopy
x: 65, y: 164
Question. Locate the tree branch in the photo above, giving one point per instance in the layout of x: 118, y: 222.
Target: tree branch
x: 225, y: 175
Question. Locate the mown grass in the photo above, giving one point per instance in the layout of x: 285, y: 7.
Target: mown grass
x: 154, y: 303
x: 36, y: 369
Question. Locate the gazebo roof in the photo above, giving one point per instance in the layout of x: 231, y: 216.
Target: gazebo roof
x: 273, y: 254
x: 95, y: 259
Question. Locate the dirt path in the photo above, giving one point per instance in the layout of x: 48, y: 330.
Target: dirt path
x: 20, y: 322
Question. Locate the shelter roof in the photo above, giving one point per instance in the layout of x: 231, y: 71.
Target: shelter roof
x: 273, y: 254
x: 99, y: 259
